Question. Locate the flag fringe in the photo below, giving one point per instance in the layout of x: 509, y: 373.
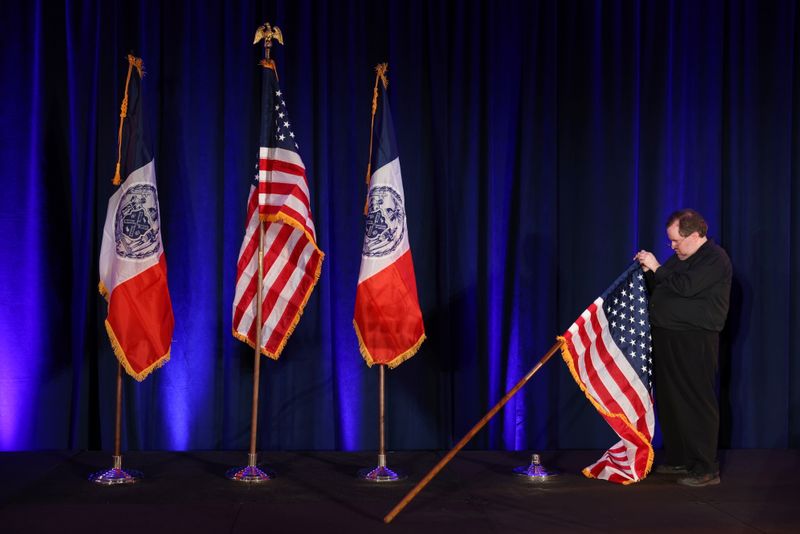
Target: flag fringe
x: 566, y: 355
x: 245, y: 339
x: 362, y: 348
x: 275, y: 355
x: 101, y: 287
x: 123, y: 360
x: 283, y: 218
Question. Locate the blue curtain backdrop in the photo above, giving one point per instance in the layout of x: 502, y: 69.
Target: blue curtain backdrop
x: 542, y: 144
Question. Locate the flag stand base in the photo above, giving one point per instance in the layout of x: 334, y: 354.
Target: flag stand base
x: 534, y: 471
x: 116, y: 475
x: 381, y: 474
x: 250, y: 473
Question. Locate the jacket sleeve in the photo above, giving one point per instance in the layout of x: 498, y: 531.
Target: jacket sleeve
x: 699, y: 276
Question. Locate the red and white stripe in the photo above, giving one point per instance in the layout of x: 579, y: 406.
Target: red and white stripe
x: 616, y: 390
x: 292, y: 260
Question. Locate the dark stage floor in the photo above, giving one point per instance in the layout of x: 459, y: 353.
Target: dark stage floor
x: 317, y: 492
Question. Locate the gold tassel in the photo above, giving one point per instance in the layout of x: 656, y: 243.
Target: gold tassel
x: 380, y: 74
x: 123, y: 111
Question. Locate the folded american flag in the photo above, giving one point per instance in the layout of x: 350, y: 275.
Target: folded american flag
x: 608, y: 351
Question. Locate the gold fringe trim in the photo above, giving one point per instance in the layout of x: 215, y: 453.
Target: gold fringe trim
x: 567, y: 357
x: 275, y: 355
x: 123, y: 360
x: 283, y: 218
x: 362, y: 347
x: 101, y: 287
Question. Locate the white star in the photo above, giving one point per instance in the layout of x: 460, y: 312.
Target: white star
x: 623, y: 340
x: 616, y: 300
x: 277, y: 107
x: 624, y: 293
x: 644, y: 368
x: 286, y: 123
x: 630, y: 284
x: 643, y: 357
x: 281, y: 137
x: 278, y: 92
x: 291, y: 134
x: 639, y: 276
x: 631, y: 319
x: 641, y: 311
x: 623, y: 316
x: 641, y: 323
x: 642, y: 344
x: 641, y: 299
x: 281, y: 114
x: 614, y: 324
x: 613, y: 312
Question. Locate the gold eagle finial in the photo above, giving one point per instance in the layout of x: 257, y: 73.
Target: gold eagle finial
x: 268, y: 33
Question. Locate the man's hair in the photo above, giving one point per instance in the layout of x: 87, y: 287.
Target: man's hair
x: 688, y: 221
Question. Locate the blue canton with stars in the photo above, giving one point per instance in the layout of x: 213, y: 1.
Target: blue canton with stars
x: 282, y: 134
x: 625, y: 305
x: 276, y: 128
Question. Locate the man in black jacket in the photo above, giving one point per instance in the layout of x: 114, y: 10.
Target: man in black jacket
x: 689, y: 297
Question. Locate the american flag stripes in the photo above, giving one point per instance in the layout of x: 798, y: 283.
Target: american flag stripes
x: 292, y: 259
x: 608, y: 351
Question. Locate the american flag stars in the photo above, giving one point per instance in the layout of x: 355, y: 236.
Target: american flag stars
x: 284, y: 136
x: 631, y: 327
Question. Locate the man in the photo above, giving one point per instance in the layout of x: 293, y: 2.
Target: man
x: 689, y: 297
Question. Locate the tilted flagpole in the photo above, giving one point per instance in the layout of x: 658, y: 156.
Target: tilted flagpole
x: 460, y: 445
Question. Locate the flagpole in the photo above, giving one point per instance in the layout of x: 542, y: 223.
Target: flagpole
x: 251, y: 457
x: 117, y: 475
x: 381, y: 473
x: 252, y: 473
x: 475, y: 429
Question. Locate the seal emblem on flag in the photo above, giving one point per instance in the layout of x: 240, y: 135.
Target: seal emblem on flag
x: 385, y: 224
x: 137, y: 227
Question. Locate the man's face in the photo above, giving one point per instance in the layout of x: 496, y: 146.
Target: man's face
x: 683, y: 246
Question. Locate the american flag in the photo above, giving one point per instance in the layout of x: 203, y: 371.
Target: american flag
x: 292, y: 259
x: 608, y: 351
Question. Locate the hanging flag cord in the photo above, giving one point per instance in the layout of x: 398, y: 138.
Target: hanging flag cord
x: 460, y: 445
x: 380, y: 74
x: 123, y: 111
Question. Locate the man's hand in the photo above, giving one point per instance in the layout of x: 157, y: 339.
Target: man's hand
x: 647, y: 261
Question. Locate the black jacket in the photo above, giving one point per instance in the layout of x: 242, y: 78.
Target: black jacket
x: 691, y: 294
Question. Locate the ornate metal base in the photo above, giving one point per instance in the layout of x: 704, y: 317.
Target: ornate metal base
x: 250, y: 473
x: 116, y: 475
x: 534, y: 471
x: 380, y: 474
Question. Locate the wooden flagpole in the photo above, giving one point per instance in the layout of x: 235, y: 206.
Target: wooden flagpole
x: 251, y: 457
x: 444, y: 461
